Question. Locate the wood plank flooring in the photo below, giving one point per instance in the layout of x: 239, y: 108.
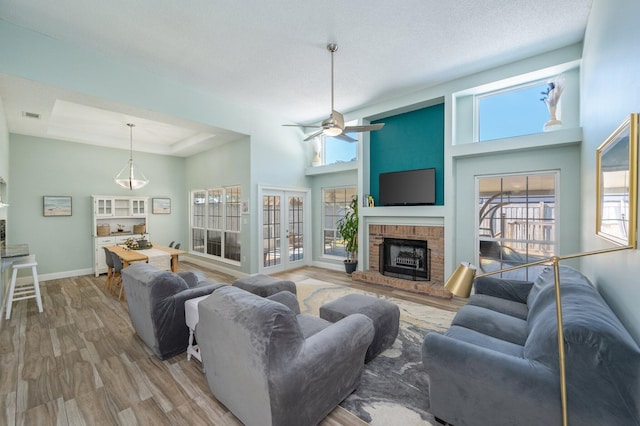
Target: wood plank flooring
x: 81, y: 363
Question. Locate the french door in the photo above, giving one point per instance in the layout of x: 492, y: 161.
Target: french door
x: 284, y: 224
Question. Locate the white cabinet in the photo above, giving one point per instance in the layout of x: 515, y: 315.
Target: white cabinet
x: 103, y: 206
x: 138, y: 207
x: 111, y: 213
x: 100, y: 263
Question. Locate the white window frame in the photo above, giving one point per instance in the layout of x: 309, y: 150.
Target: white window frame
x: 226, y: 223
x: 556, y: 229
x: 323, y: 228
x: 478, y: 96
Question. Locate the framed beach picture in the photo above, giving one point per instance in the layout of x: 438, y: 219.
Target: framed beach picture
x: 56, y: 205
x: 161, y: 206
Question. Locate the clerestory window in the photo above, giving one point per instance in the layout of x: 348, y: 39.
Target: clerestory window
x: 519, y: 110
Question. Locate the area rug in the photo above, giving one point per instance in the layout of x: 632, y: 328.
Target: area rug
x: 394, y: 386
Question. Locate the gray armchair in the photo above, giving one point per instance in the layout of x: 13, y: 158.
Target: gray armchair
x: 260, y: 365
x: 156, y: 305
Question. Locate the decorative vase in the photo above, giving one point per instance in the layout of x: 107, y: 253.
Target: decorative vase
x: 142, y: 244
x: 553, y: 122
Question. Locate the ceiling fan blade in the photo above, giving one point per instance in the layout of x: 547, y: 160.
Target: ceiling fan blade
x: 313, y: 135
x: 346, y: 138
x: 299, y: 125
x: 366, y: 128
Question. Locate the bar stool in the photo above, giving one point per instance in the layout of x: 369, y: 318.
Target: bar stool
x: 24, y: 291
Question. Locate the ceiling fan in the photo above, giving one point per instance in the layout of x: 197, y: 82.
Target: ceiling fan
x: 334, y: 125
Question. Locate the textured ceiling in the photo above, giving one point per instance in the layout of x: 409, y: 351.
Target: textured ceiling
x: 272, y: 55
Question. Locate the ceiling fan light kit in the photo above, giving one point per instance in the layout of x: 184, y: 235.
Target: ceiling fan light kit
x: 334, y: 125
x: 130, y: 177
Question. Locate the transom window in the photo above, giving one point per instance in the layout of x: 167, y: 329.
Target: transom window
x: 337, y: 150
x: 516, y: 221
x: 510, y: 112
x: 215, y: 222
x: 335, y: 203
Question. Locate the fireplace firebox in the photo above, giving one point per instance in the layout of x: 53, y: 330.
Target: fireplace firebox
x: 409, y: 259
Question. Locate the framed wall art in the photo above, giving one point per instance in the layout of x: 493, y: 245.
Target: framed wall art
x: 56, y: 205
x: 161, y: 206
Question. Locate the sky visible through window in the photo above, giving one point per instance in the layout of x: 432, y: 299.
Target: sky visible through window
x: 340, y: 151
x: 512, y: 113
x: 501, y: 115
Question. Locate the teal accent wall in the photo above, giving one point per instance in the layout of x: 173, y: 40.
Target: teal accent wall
x: 408, y: 141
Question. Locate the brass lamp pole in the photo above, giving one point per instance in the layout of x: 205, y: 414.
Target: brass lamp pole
x: 460, y: 282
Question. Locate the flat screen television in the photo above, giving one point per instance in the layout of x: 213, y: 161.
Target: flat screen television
x: 408, y: 188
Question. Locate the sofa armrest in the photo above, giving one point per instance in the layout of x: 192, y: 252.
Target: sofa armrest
x: 288, y: 299
x: 514, y: 290
x: 459, y: 372
x: 192, y: 293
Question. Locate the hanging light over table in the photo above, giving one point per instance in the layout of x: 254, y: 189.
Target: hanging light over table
x: 130, y: 177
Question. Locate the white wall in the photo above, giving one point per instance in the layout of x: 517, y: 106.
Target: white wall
x: 610, y: 92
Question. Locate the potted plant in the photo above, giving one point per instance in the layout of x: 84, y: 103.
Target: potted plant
x: 348, y: 229
x: 142, y: 241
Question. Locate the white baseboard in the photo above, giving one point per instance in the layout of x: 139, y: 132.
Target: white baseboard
x: 196, y: 260
x: 55, y: 276
x: 329, y: 265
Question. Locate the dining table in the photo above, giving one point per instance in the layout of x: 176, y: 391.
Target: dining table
x: 129, y: 256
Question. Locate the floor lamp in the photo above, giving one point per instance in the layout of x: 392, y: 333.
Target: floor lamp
x: 460, y: 282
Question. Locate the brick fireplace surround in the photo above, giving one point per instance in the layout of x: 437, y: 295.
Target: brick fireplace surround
x: 434, y: 235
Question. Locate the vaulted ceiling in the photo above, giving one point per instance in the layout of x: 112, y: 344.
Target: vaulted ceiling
x: 272, y: 55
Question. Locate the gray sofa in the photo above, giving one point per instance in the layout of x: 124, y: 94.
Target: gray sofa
x: 156, y: 305
x: 269, y: 365
x: 498, y: 362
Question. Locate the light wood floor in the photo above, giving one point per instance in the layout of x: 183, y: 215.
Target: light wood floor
x: 80, y: 362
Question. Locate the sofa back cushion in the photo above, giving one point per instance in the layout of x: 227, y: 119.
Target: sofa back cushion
x: 546, y: 279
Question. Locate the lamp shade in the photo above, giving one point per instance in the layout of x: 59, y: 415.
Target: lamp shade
x: 460, y: 282
x: 332, y: 131
x: 130, y: 177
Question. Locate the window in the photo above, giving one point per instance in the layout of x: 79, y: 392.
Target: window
x: 215, y: 218
x: 511, y: 112
x: 335, y: 203
x: 516, y: 221
x: 337, y: 150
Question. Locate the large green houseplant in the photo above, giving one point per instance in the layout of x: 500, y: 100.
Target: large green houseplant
x: 348, y: 229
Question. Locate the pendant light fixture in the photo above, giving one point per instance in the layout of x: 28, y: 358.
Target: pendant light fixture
x: 130, y: 177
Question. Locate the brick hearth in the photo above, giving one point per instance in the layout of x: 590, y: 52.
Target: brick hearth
x: 434, y: 235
